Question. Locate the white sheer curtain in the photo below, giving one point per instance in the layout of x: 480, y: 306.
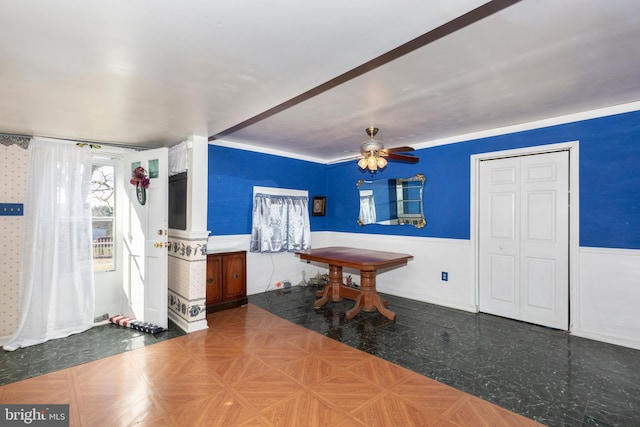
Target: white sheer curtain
x: 178, y: 158
x: 367, y: 209
x: 280, y: 224
x: 56, y: 289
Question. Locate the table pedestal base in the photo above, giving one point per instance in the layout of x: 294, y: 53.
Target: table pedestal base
x: 366, y: 299
x: 332, y: 289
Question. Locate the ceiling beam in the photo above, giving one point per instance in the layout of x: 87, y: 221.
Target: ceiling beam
x: 437, y: 33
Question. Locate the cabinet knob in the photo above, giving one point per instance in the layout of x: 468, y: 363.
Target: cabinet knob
x: 235, y: 276
x: 209, y: 280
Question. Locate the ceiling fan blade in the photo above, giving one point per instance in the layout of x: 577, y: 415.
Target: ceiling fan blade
x: 402, y: 158
x: 398, y: 149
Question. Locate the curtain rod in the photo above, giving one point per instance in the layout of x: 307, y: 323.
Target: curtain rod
x: 80, y: 143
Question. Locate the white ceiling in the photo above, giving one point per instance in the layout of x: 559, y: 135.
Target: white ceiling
x: 154, y: 72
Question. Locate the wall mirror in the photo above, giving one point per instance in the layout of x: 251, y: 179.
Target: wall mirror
x: 396, y: 201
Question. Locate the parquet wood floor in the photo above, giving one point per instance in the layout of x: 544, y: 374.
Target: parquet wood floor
x: 252, y: 368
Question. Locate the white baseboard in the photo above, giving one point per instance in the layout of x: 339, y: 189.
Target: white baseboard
x: 437, y: 301
x: 606, y: 338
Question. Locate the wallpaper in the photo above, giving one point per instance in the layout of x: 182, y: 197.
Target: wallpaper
x: 187, y: 278
x: 13, y: 173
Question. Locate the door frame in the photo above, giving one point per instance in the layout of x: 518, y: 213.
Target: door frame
x: 574, y: 215
x: 112, y: 280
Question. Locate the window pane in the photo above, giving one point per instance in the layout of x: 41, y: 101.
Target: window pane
x: 102, y: 208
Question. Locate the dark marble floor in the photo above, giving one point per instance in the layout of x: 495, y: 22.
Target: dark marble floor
x: 544, y: 374
x: 96, y: 343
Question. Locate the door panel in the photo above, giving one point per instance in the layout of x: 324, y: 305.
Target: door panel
x: 499, y: 234
x: 503, y: 224
x: 523, y: 218
x: 234, y: 283
x: 502, y: 278
x: 540, y: 272
x: 545, y: 240
x: 145, y: 239
x: 541, y: 216
x: 214, y: 279
x: 506, y: 175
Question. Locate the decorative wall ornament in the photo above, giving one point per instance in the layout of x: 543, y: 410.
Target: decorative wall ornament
x: 140, y: 179
x: 20, y: 141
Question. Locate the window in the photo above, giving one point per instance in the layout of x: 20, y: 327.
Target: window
x: 280, y: 223
x: 102, y: 209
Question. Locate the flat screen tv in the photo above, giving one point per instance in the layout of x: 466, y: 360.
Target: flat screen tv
x: 178, y: 201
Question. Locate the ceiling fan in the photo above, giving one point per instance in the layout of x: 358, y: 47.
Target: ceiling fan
x: 375, y: 156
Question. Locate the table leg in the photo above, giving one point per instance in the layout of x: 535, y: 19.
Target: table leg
x: 382, y: 307
x: 335, y: 281
x: 324, y: 297
x: 369, y: 300
x: 331, y: 289
x: 356, y: 308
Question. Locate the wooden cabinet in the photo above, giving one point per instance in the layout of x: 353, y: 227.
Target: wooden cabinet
x: 226, y: 280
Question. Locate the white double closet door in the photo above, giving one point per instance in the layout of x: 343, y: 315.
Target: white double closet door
x: 524, y: 238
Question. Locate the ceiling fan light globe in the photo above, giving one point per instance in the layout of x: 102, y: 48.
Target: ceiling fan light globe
x: 362, y: 163
x: 382, y: 162
x: 372, y: 163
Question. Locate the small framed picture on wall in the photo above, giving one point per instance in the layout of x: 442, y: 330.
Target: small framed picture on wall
x: 319, y: 204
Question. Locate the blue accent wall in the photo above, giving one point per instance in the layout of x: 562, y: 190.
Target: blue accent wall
x: 609, y: 183
x: 233, y: 174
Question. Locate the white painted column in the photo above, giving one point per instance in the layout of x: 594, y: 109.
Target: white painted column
x: 187, y: 253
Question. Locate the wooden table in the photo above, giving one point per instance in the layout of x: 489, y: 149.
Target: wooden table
x: 368, y: 262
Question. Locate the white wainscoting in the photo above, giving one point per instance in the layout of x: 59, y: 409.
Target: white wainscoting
x: 420, y: 279
x: 608, y: 307
x: 264, y: 270
x: 605, y: 300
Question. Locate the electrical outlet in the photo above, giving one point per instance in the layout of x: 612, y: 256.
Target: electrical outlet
x: 445, y: 276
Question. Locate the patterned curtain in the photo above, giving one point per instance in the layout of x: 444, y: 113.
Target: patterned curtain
x: 20, y: 141
x: 280, y: 224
